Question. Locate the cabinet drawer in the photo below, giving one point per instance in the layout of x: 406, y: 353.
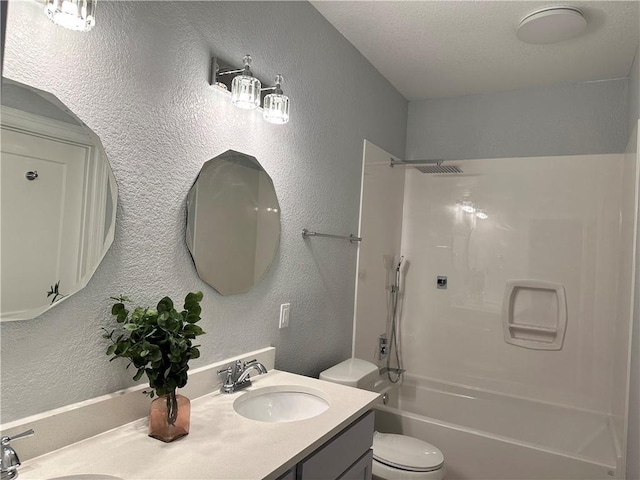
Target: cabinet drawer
x: 338, y: 454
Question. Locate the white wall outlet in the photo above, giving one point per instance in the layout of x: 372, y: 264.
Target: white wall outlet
x: 284, y: 315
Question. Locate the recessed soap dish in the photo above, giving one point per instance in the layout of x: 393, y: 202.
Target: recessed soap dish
x: 534, y: 314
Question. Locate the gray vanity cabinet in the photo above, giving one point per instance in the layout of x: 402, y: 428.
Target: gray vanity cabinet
x: 361, y: 470
x: 347, y: 456
x: 288, y: 475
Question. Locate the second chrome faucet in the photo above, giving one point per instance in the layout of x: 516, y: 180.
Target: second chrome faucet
x: 237, y: 376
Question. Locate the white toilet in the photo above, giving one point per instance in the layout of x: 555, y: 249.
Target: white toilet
x: 395, y: 457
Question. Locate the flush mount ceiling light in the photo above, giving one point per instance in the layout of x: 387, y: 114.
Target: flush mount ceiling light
x: 76, y: 15
x: 551, y: 25
x: 247, y: 92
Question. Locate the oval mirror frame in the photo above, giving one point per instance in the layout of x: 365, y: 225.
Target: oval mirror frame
x: 59, y: 201
x: 233, y: 222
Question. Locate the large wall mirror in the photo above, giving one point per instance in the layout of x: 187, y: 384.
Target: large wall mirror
x: 233, y: 222
x: 58, y: 202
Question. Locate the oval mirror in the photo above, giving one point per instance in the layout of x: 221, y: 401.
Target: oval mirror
x: 233, y: 222
x: 58, y: 202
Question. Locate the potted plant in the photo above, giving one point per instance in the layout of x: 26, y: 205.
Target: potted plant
x: 158, y: 343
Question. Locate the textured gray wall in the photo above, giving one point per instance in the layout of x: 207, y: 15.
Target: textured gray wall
x: 139, y: 80
x: 566, y: 119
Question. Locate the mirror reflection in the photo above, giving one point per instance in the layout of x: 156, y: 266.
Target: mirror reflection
x: 233, y: 222
x: 58, y: 202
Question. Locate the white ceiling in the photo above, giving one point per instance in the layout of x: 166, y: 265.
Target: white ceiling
x: 443, y: 48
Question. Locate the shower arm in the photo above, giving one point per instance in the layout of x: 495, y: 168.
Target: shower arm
x: 401, y: 163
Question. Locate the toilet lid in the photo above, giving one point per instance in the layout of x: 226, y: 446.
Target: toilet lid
x: 406, y: 453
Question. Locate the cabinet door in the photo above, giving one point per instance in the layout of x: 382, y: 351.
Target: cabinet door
x: 361, y: 470
x: 336, y: 456
x: 288, y: 475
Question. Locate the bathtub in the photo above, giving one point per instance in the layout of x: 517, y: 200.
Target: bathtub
x: 485, y: 435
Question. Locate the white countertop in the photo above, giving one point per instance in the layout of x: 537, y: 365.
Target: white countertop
x: 221, y: 444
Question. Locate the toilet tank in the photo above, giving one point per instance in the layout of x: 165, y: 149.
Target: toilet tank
x: 353, y: 372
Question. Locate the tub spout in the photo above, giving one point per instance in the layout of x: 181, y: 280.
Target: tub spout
x: 397, y: 371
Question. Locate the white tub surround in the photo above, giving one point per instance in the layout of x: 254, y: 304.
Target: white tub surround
x: 488, y: 435
x: 221, y: 443
x: 550, y: 219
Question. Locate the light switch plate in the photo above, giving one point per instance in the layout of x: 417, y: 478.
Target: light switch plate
x: 284, y: 315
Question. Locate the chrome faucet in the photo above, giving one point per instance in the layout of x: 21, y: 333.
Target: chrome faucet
x: 10, y: 461
x: 238, y: 376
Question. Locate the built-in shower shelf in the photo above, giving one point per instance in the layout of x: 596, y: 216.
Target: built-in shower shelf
x: 532, y: 328
x: 534, y: 314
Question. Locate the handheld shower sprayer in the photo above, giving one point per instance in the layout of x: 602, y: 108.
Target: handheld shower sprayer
x: 395, y: 374
x: 396, y: 285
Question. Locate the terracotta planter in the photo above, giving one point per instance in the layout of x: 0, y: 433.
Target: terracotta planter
x: 169, y: 417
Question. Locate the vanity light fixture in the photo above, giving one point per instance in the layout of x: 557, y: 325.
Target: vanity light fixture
x: 247, y: 92
x: 76, y: 15
x: 245, y: 88
x: 276, y: 105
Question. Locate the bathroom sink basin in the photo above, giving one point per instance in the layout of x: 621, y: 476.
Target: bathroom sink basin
x: 279, y: 404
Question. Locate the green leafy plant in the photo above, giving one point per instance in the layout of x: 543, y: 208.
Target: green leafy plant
x: 157, y: 342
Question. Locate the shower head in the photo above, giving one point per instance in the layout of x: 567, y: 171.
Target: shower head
x: 399, y: 264
x: 428, y: 166
x: 439, y: 168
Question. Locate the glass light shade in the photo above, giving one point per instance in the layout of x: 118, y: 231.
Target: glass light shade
x: 276, y: 108
x: 482, y: 214
x: 72, y: 14
x: 245, y: 92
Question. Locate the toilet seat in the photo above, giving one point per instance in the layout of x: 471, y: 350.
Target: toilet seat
x: 406, y: 453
